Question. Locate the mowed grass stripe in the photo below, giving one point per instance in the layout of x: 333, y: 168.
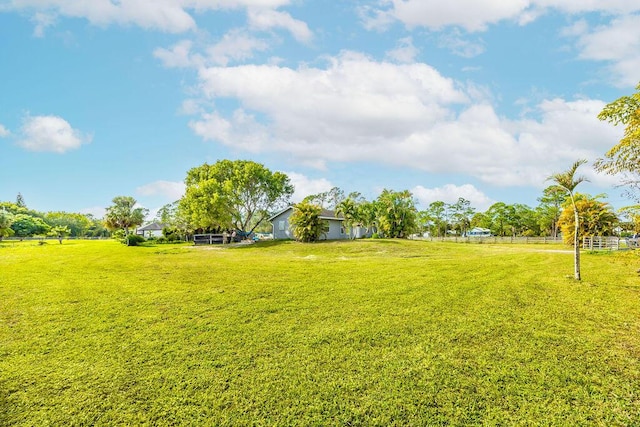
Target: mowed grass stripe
x: 369, y: 332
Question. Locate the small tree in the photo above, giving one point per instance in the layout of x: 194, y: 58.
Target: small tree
x: 396, y: 213
x: 5, y: 225
x: 568, y: 181
x: 306, y: 223
x: 348, y: 208
x: 123, y: 214
x: 597, y: 218
x: 60, y: 231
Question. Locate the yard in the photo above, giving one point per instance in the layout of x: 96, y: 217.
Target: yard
x: 371, y: 332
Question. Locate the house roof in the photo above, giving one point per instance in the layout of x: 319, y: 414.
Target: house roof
x: 324, y: 214
x: 154, y: 226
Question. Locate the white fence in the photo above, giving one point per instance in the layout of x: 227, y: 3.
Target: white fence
x: 494, y: 239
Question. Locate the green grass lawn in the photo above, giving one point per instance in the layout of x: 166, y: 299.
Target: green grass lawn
x: 373, y: 332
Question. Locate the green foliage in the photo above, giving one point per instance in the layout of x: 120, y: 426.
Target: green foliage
x: 396, y: 213
x: 20, y: 201
x: 233, y: 195
x: 306, y: 223
x: 569, y: 181
x: 78, y: 224
x: 123, y: 214
x: 5, y: 225
x: 60, y: 231
x: 623, y: 157
x: 436, y: 216
x: 328, y: 199
x: 548, y: 212
x: 368, y: 333
x: 348, y: 209
x: 25, y: 225
x: 596, y: 219
x: 133, y: 240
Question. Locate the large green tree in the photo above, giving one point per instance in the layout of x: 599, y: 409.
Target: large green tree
x: 238, y: 194
x: 624, y: 157
x: 78, y: 224
x: 569, y: 181
x: 27, y: 225
x: 123, y: 214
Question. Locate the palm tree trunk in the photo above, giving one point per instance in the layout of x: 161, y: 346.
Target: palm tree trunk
x: 576, y: 243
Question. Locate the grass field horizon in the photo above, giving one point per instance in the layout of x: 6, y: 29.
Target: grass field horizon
x: 369, y: 332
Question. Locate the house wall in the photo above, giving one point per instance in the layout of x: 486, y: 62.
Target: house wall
x: 336, y: 231
x: 281, y: 226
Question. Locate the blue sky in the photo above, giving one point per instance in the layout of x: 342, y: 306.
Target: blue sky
x: 481, y: 99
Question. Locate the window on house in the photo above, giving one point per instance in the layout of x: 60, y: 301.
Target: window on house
x: 341, y: 230
x: 281, y: 225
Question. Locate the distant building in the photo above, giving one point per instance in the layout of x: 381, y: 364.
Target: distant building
x: 151, y: 230
x: 479, y: 232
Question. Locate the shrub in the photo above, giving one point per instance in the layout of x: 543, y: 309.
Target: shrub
x: 306, y: 222
x: 133, y: 240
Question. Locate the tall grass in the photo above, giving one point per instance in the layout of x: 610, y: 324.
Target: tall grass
x: 338, y: 333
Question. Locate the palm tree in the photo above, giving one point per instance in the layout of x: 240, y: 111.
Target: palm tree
x: 349, y: 211
x: 123, y: 214
x: 568, y: 181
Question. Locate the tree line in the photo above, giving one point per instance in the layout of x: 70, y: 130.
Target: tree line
x: 17, y: 220
x: 241, y: 195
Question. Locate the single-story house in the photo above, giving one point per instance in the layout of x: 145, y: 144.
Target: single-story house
x: 479, y: 232
x: 283, y: 230
x: 151, y: 230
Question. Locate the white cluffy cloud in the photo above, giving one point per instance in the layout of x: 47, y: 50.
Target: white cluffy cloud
x: 50, y: 133
x: 450, y: 193
x: 4, y: 132
x: 305, y: 186
x: 477, y: 15
x: 617, y: 43
x: 170, y: 190
x: 268, y: 19
x: 406, y: 115
x: 174, y: 16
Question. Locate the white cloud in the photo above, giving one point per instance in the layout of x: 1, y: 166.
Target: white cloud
x: 236, y: 45
x: 50, y: 133
x: 405, y: 52
x: 267, y: 19
x: 168, y: 189
x: 450, y: 193
x: 42, y: 21
x: 179, y: 55
x: 617, y: 43
x: 173, y: 16
x: 459, y: 45
x: 471, y: 15
x: 4, y: 132
x: 403, y: 115
x: 305, y: 186
x: 474, y: 15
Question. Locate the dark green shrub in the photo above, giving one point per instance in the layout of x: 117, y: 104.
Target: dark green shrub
x: 133, y: 240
